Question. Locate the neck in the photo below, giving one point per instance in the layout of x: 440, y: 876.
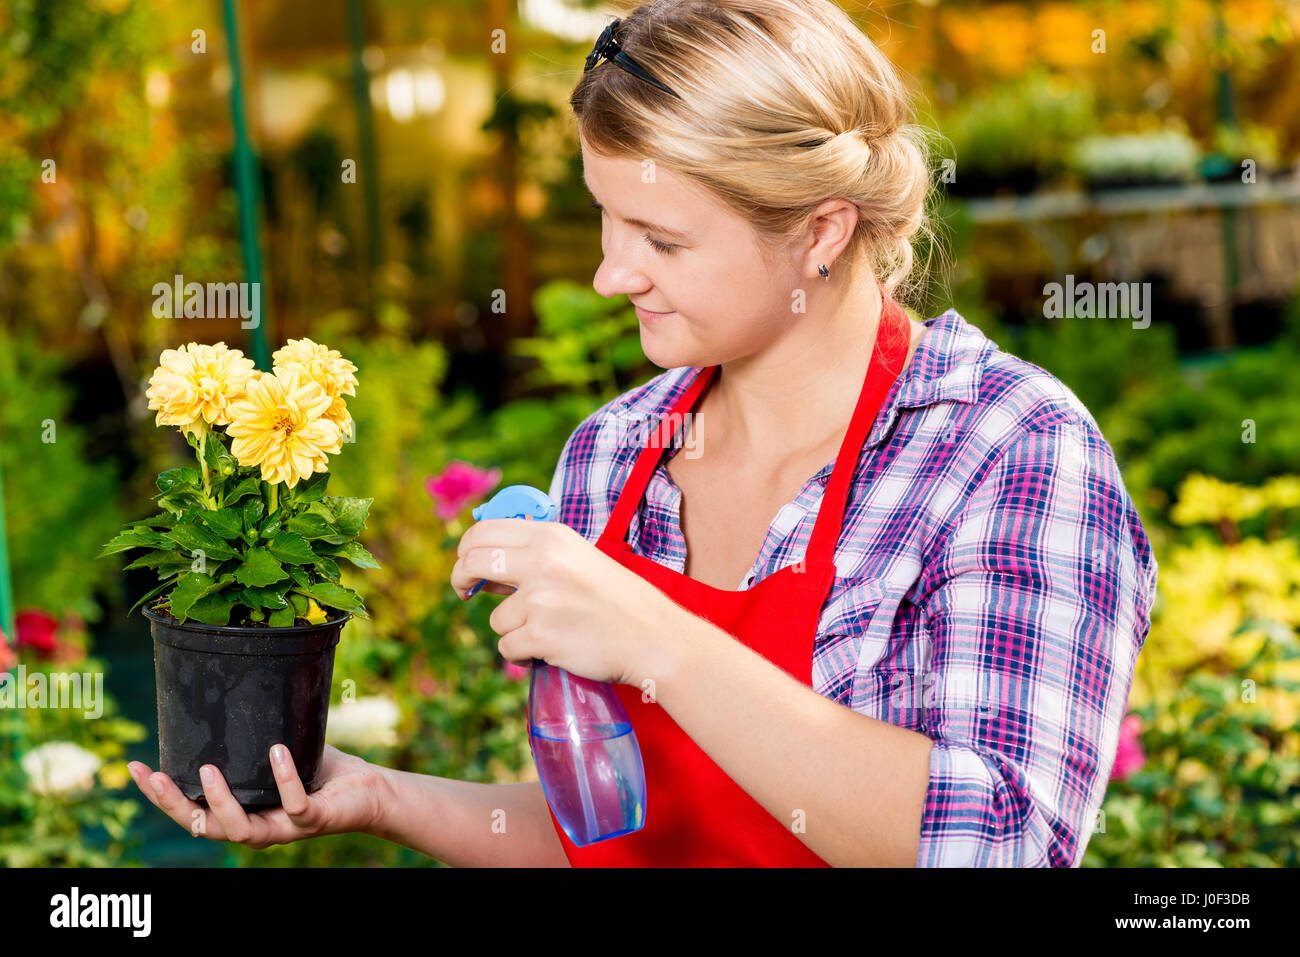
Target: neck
x: 799, y: 393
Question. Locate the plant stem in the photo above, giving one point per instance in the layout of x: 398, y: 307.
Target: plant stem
x: 275, y: 498
x: 203, y: 464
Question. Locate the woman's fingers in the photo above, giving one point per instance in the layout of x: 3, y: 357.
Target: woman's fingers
x: 293, y: 795
x: 224, y: 818
x: 232, y: 818
x: 167, y: 797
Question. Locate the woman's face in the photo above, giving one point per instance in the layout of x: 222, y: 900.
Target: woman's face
x: 723, y: 300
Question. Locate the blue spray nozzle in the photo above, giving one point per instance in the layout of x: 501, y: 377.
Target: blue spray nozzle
x: 514, y: 501
x: 517, y: 501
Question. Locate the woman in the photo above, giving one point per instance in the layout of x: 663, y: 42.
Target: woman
x: 943, y: 584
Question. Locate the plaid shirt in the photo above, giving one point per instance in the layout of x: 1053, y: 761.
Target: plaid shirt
x: 994, y: 585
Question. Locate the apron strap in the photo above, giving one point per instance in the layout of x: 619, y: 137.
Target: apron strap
x: 893, y: 336
x: 647, y: 460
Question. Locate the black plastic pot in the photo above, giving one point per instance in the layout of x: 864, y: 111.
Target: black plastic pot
x: 226, y: 694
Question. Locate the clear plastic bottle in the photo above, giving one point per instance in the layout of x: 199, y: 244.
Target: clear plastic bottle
x: 586, y: 755
x: 583, y: 744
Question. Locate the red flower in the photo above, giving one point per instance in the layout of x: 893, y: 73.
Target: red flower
x: 37, y: 630
x: 1128, y: 756
x: 459, y: 483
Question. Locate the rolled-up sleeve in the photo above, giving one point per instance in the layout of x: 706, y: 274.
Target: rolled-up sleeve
x: 1036, y: 603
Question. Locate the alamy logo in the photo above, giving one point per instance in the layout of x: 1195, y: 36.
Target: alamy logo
x: 1103, y: 300
x: 213, y: 300
x: 684, y: 430
x: 102, y: 910
x: 59, y: 689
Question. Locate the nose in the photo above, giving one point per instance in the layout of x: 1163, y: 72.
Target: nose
x: 620, y: 272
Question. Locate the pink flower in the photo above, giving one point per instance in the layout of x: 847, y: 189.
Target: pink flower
x: 458, y: 484
x: 8, y: 657
x: 36, y: 630
x: 517, y: 672
x: 1128, y: 756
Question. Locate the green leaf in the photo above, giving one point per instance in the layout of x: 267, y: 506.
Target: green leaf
x: 292, y: 548
x: 282, y: 618
x: 161, y: 520
x: 260, y: 568
x: 311, y: 525
x: 263, y: 598
x: 180, y: 499
x: 249, y: 486
x: 254, y: 509
x: 190, y: 537
x: 300, y: 575
x: 331, y: 595
x: 226, y: 522
x: 190, y: 588
x: 350, y: 514
x: 159, y: 558
x: 213, y: 450
x: 299, y: 602
x: 213, y: 609
x: 178, y: 478
x: 356, y: 553
x: 313, y: 488
x: 152, y: 593
x: 132, y: 539
x: 328, y: 568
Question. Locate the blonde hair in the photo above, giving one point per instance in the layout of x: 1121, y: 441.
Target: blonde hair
x: 784, y: 104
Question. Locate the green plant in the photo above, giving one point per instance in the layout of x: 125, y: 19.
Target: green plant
x: 1236, y: 422
x: 1248, y: 141
x: 1028, y: 121
x: 1217, y: 689
x: 59, y: 504
x: 227, y: 538
x: 1169, y: 155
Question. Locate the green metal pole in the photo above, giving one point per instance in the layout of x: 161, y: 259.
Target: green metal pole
x: 1227, y: 116
x: 6, y: 585
x: 369, y: 171
x: 249, y: 192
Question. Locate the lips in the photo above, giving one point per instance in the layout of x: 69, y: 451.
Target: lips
x: 646, y: 315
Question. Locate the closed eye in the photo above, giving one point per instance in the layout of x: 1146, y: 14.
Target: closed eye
x: 665, y: 248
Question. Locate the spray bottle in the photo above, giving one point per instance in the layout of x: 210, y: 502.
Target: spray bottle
x: 583, y: 744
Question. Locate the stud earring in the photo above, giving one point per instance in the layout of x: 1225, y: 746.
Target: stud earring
x: 824, y: 272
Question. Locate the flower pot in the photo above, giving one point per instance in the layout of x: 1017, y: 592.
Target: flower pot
x: 227, y: 694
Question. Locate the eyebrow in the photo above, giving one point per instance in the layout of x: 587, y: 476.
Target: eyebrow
x: 595, y: 204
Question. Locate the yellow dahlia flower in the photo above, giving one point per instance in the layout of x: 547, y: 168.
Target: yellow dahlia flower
x: 197, y: 383
x: 328, y: 367
x: 280, y: 425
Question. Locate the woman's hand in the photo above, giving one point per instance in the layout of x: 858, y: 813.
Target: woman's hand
x: 352, y: 797
x: 569, y: 603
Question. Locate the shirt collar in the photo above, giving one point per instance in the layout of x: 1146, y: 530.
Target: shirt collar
x: 946, y: 367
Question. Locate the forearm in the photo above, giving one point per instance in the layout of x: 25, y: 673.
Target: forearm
x: 469, y: 824
x: 852, y: 787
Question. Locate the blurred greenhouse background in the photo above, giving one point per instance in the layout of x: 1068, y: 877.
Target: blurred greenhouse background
x: 403, y: 178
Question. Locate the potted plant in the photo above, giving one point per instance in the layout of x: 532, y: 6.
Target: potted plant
x: 249, y: 606
x: 1163, y: 157
x: 1234, y: 145
x: 1012, y: 138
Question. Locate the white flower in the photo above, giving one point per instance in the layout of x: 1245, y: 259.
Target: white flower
x: 60, y: 766
x: 366, y: 722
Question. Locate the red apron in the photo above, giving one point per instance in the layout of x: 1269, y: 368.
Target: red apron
x: 697, y: 816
